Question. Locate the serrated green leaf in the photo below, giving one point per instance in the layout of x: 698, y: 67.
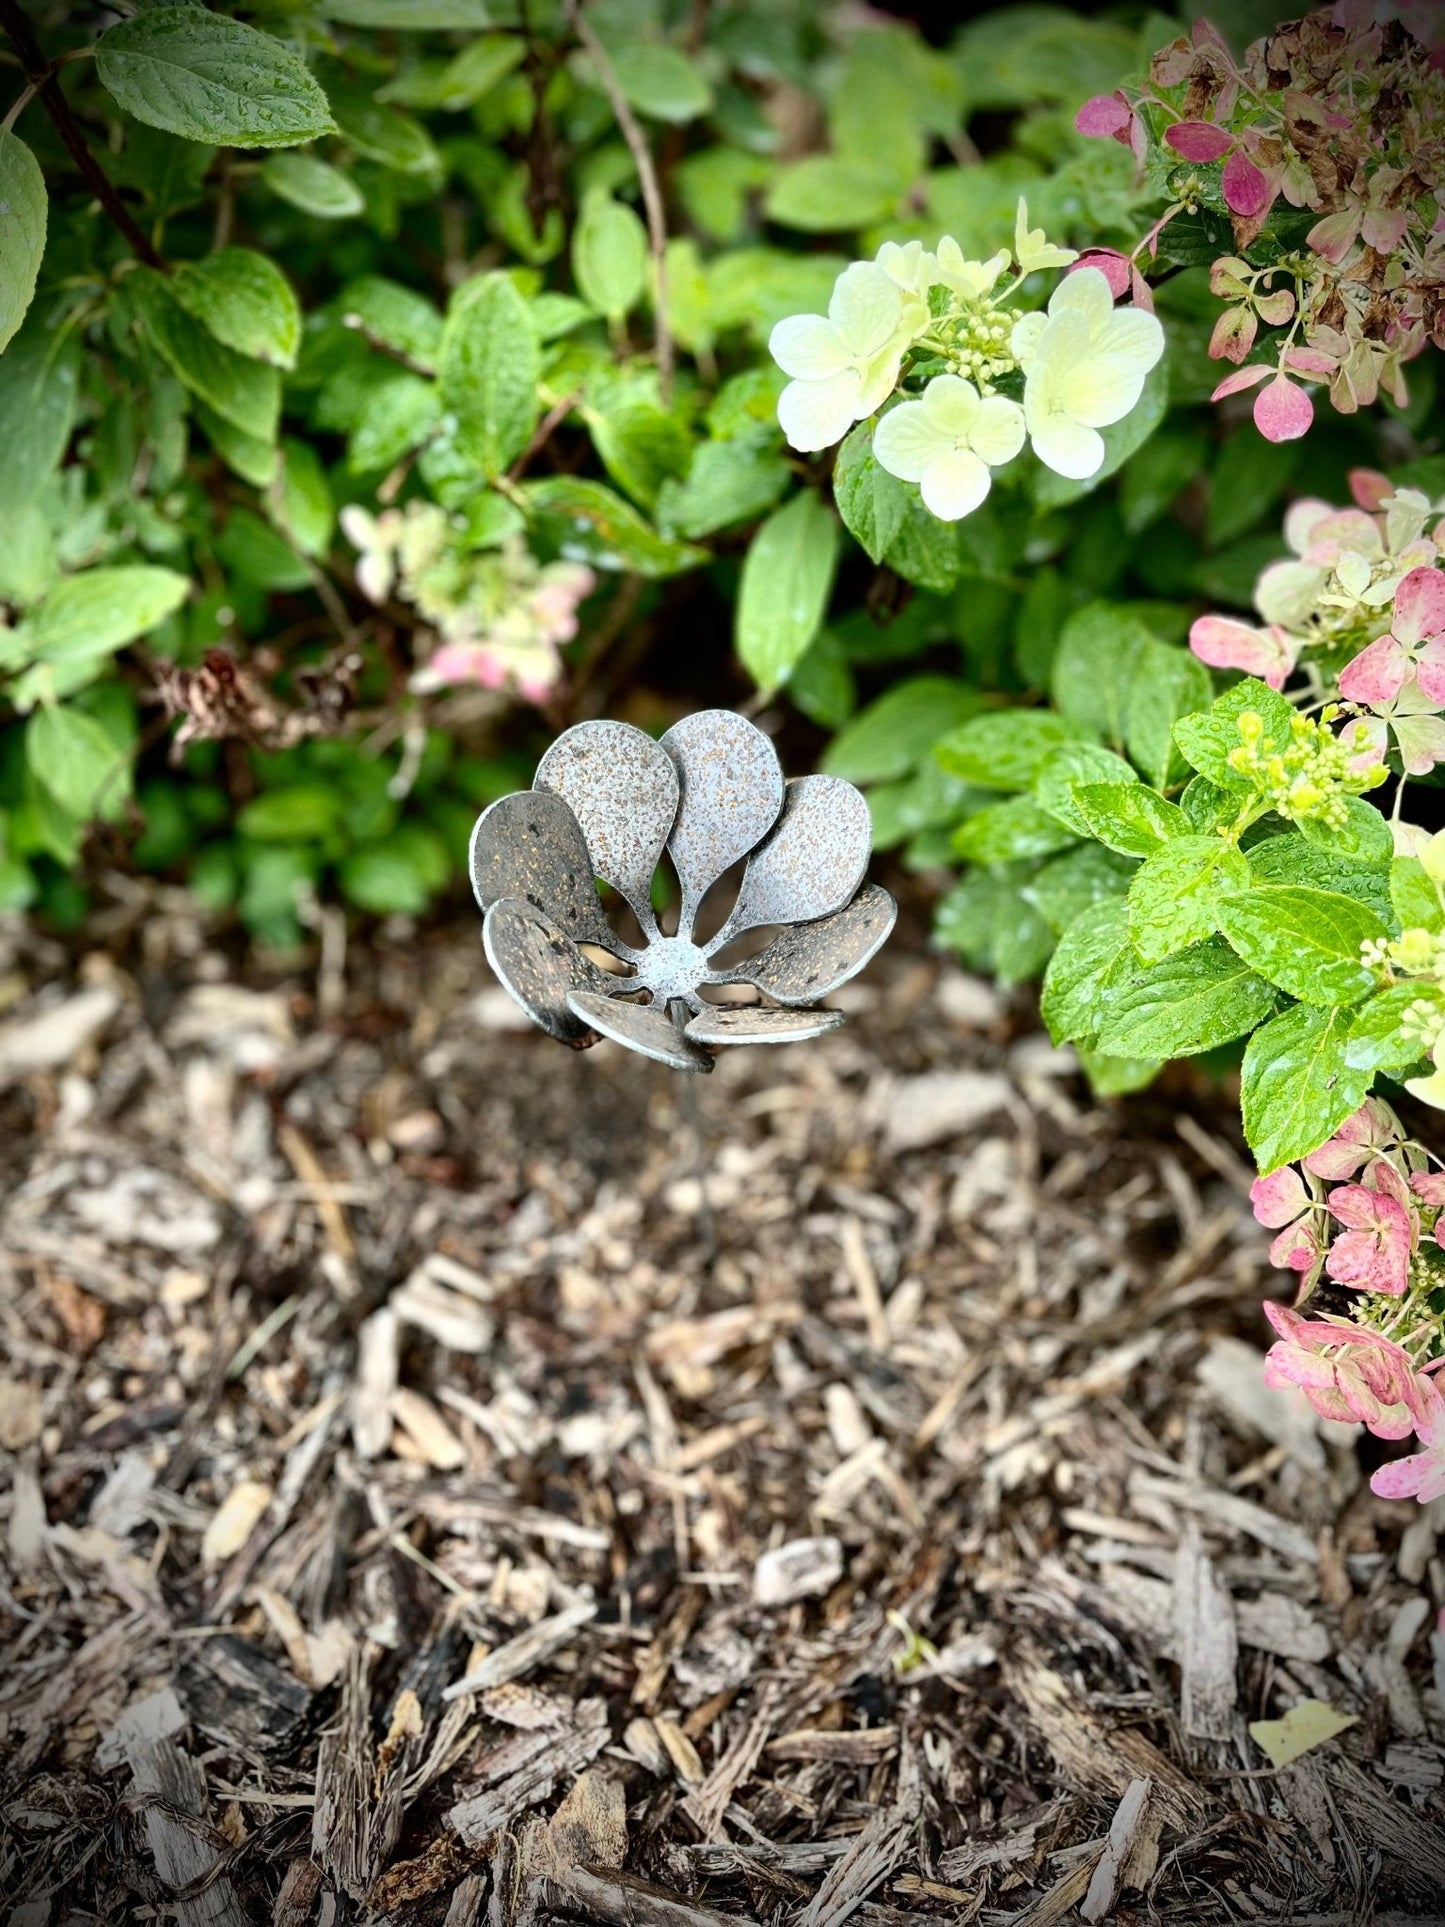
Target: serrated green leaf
x: 411, y: 16
x: 1290, y: 859
x: 1006, y: 749
x: 593, y: 524
x: 1082, y: 970
x: 1173, y: 901
x: 728, y: 482
x: 103, y: 609
x: 1306, y: 941
x: 1065, y: 886
x: 1377, y: 1042
x: 23, y: 213
x: 39, y: 382
x: 1129, y: 818
x: 1416, y: 899
x: 1191, y: 1002
x: 1117, y: 1076
x: 1364, y: 836
x: 489, y: 368
x: 894, y: 734
x: 870, y: 500
x: 244, y: 391
x: 1009, y: 832
x: 73, y: 758
x: 1095, y: 665
x: 1208, y: 740
x: 1168, y: 683
x: 787, y: 579
x: 207, y: 78
x: 1067, y: 769
x: 1297, y: 1086
x: 245, y: 301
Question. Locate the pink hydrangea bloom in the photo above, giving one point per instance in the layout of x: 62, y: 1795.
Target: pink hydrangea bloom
x: 1106, y: 115
x: 1429, y: 1187
x: 1346, y: 1373
x: 1414, y: 650
x: 1373, y: 1252
x: 1422, y: 1475
x: 1283, y: 411
x: 1282, y: 1199
x: 1224, y: 643
x: 1199, y: 140
x: 1364, y: 1135
x: 1247, y: 189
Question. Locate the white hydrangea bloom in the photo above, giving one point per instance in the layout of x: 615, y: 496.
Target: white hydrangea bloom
x: 1084, y: 363
x: 969, y: 280
x: 909, y: 266
x: 1032, y: 247
x: 947, y: 443
x: 846, y: 364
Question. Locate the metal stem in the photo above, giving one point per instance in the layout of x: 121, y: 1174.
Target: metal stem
x: 706, y: 1223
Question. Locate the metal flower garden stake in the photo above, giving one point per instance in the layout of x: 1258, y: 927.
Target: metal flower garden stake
x: 607, y: 801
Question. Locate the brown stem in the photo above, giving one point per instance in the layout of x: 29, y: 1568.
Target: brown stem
x: 549, y: 423
x: 46, y: 81
x: 647, y: 180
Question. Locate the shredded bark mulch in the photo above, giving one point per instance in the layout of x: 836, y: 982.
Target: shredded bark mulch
x: 427, y: 1501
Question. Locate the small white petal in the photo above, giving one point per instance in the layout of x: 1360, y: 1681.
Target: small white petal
x: 906, y: 441
x: 954, y: 484
x: 815, y: 414
x: 866, y: 309
x: 1087, y: 294
x: 998, y: 433
x: 879, y: 379
x: 375, y: 573
x: 1101, y: 389
x: 952, y: 405
x: 1133, y: 333
x: 1027, y: 335
x: 807, y: 347
x: 1067, y: 447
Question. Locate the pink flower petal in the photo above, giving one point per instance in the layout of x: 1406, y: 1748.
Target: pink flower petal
x: 1283, y: 411
x: 1142, y: 292
x: 1241, y: 379
x: 1309, y: 361
x: 1377, y: 675
x: 1420, y: 607
x: 1197, y: 140
x: 1370, y: 488
x: 1233, y: 335
x: 1105, y: 114
x: 1430, y: 671
x: 1111, y: 264
x: 1226, y: 644
x: 1279, y: 1198
x: 1334, y: 236
x: 1430, y: 1186
x: 1297, y: 1248
x: 1246, y: 190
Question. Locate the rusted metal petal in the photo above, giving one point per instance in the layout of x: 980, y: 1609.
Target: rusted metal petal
x: 622, y: 787
x: 540, y: 966
x: 642, y: 1027
x: 751, y: 1024
x: 530, y: 845
x: 810, y: 959
x: 811, y: 864
x: 732, y: 791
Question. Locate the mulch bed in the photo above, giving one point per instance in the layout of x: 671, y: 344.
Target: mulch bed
x: 409, y: 1518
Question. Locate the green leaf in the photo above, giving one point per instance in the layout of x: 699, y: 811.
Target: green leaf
x: 389, y: 312
x: 313, y: 185
x: 103, y: 609
x: 1174, y: 900
x: 382, y: 133
x: 1006, y: 749
x: 254, y: 461
x: 1191, y: 1002
x: 39, y: 380
x: 245, y: 301
x: 993, y: 926
x: 208, y: 78
x: 301, y: 504
x: 894, y: 734
x: 822, y: 684
x: 244, y: 391
x: 490, y: 366
x: 728, y: 482
x: 23, y: 210
x: 826, y: 195
x: 411, y: 16
x: 1121, y: 440
x: 252, y: 550
x: 1065, y: 886
x: 1095, y: 665
x: 1067, y: 769
x: 27, y: 556
x: 786, y: 581
x: 1207, y: 740
x: 1207, y: 806
x: 1009, y: 832
x: 1416, y: 899
x: 1364, y: 836
x: 870, y: 500
x: 1298, y: 1088
x: 1290, y: 859
x: 1090, y: 953
x: 72, y: 757
x: 397, y: 877
x: 1168, y: 683
x: 472, y: 74
x: 403, y: 410
x: 609, y: 256
x: 1377, y: 1043
x: 660, y: 81
x: 642, y: 444
x: 298, y: 814
x: 1306, y: 941
x: 1129, y: 818
x: 593, y: 524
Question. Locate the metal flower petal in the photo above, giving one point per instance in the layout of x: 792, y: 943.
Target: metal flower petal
x: 606, y: 801
x: 732, y: 791
x: 540, y: 966
x: 622, y: 786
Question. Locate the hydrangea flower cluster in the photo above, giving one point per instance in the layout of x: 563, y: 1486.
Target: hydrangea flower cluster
x: 980, y: 375
x: 500, y: 615
x: 1366, y: 1212
x: 1322, y: 152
